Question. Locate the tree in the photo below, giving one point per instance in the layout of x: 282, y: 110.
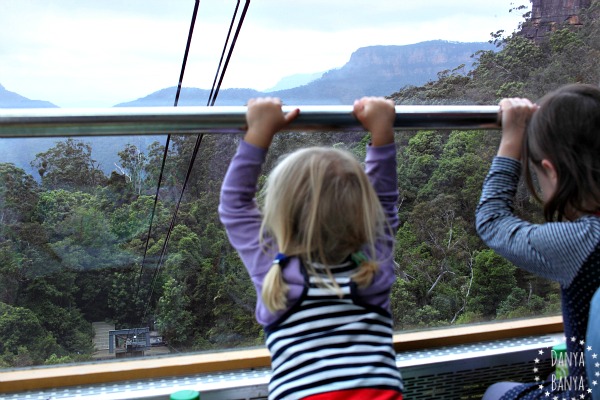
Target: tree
x: 449, y: 88
x: 19, y: 234
x: 23, y: 339
x: 12, y: 271
x: 56, y: 206
x: 52, y: 299
x: 416, y: 163
x: 18, y: 195
x: 125, y: 304
x: 461, y: 168
x: 133, y: 166
x: 79, y: 232
x: 68, y: 165
x: 131, y: 220
x: 174, y: 319
x: 493, y: 281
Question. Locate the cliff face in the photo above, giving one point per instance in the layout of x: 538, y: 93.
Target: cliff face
x: 381, y: 70
x: 548, y: 15
x: 395, y: 60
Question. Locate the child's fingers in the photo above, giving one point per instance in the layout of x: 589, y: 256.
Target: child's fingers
x: 292, y: 115
x: 368, y: 105
x: 516, y: 103
x: 264, y: 101
x: 358, y: 106
x: 515, y: 109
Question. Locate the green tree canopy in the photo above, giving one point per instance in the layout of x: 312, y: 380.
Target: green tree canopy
x: 68, y: 165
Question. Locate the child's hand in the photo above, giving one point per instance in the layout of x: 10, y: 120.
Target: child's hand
x: 516, y: 113
x: 265, y: 118
x: 377, y: 115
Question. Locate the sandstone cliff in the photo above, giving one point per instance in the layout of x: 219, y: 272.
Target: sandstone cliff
x: 548, y: 15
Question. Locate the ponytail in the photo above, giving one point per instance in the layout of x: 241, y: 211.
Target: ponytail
x: 366, y: 269
x: 275, y: 290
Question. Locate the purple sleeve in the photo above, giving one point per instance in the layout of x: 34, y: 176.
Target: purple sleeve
x: 238, y: 210
x: 381, y: 168
x: 242, y: 218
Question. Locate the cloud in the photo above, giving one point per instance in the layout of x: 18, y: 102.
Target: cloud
x: 335, y: 15
x: 100, y: 53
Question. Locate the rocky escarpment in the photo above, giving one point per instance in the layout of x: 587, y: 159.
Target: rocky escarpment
x: 548, y: 15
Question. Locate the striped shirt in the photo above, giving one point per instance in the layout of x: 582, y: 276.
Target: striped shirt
x: 326, y: 343
x: 566, y: 252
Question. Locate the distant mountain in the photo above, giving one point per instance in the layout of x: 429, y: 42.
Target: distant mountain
x: 22, y: 151
x: 292, y: 81
x: 192, y: 97
x: 382, y: 70
x: 10, y: 99
x: 371, y: 71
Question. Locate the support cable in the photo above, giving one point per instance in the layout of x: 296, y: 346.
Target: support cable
x: 197, y: 144
x: 212, y: 90
x: 166, y: 151
x: 235, y: 37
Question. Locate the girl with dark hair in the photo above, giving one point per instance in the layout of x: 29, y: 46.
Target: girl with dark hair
x: 557, y: 142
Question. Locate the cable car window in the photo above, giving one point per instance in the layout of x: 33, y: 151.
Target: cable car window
x: 111, y: 247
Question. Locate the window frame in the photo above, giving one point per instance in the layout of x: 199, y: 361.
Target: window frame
x: 39, y: 378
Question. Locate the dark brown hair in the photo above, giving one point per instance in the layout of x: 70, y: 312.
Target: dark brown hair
x: 566, y: 131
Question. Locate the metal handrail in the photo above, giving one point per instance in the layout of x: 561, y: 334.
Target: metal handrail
x: 54, y: 122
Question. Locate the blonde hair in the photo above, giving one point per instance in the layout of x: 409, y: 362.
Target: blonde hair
x: 320, y: 206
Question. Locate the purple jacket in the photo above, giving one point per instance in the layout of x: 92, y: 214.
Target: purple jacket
x: 241, y: 217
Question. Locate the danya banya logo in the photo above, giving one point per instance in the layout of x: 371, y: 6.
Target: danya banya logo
x: 560, y: 380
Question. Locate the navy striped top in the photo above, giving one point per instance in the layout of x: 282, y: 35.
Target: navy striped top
x: 566, y: 252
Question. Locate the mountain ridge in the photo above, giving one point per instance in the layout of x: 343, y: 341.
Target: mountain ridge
x: 370, y: 71
x: 293, y: 81
x: 10, y: 99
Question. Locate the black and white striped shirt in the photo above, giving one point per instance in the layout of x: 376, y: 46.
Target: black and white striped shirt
x: 326, y: 343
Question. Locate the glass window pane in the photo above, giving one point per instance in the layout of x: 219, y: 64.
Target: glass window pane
x: 83, y: 274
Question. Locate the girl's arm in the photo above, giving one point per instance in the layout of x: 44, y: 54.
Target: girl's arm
x: 377, y: 116
x: 238, y: 210
x: 552, y: 250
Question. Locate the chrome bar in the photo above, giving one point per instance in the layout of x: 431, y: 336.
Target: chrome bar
x: 50, y: 122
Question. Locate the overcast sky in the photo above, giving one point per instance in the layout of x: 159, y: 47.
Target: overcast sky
x: 97, y: 53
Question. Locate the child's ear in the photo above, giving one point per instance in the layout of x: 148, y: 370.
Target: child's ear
x: 549, y: 170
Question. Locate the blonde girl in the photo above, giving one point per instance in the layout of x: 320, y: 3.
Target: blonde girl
x: 319, y: 254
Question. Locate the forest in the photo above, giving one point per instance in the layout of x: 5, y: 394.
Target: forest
x: 75, y: 244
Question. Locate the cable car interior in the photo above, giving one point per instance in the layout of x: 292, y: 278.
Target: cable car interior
x: 142, y: 242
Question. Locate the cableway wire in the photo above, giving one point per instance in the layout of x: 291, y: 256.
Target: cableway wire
x: 211, y: 102
x: 166, y: 151
x: 211, y: 99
